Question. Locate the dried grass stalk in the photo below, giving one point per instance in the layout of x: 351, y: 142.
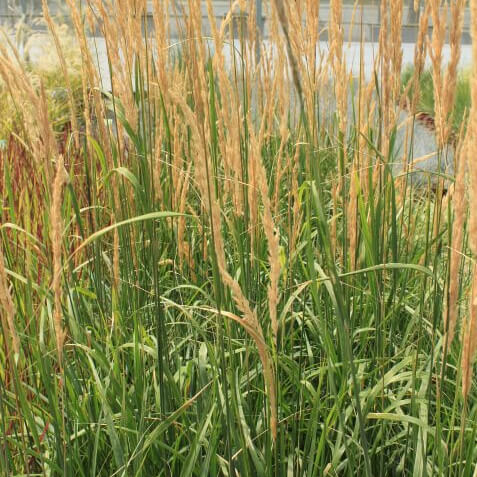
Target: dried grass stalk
x: 390, y: 57
x: 459, y: 202
x: 230, y: 113
x: 396, y: 46
x: 352, y: 215
x: 419, y: 57
x: 183, y: 246
x: 338, y: 65
x: 64, y: 69
x: 61, y: 178
x: 6, y: 302
x: 295, y: 69
x: 386, y: 79
x: 295, y: 221
x: 90, y: 81
x: 270, y: 232
x: 436, y: 44
x: 469, y: 335
x: 469, y: 338
x: 249, y: 318
x: 450, y: 76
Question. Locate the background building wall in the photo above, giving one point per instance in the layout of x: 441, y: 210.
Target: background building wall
x: 11, y: 11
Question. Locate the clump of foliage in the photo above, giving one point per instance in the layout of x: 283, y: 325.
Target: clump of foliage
x: 216, y: 279
x: 41, y: 65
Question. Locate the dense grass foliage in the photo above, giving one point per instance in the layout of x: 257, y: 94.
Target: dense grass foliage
x: 212, y: 269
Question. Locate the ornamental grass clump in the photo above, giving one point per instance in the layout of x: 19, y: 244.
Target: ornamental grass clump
x: 218, y: 261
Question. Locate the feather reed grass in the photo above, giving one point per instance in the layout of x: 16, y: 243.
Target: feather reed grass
x: 469, y: 335
x: 248, y: 285
x: 61, y: 178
